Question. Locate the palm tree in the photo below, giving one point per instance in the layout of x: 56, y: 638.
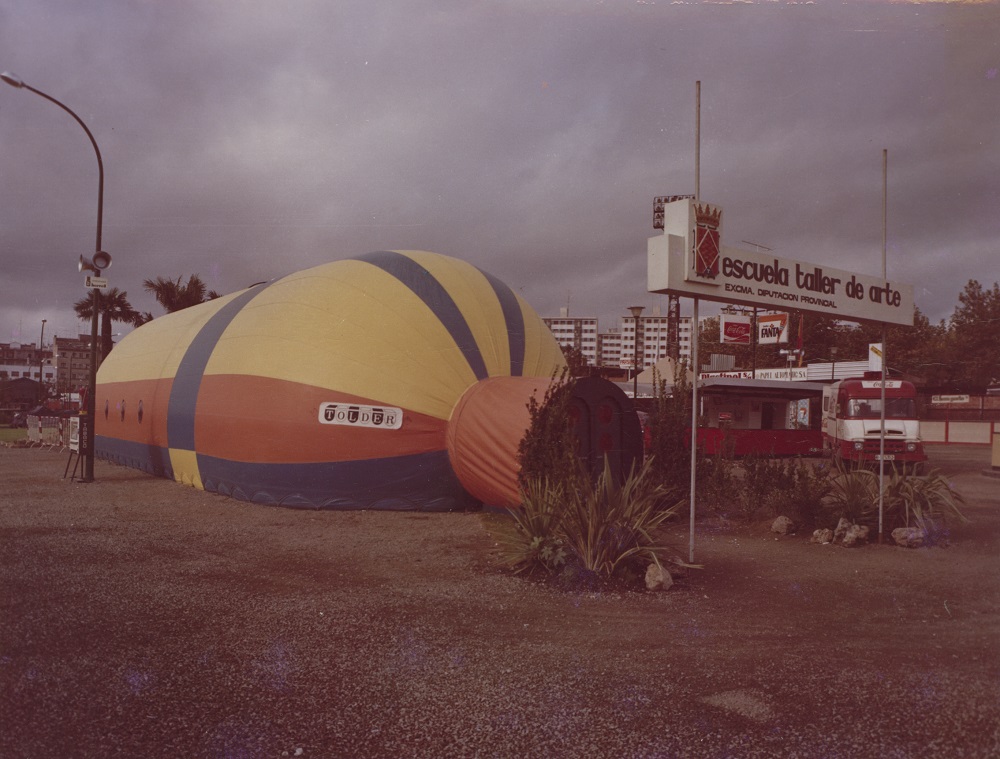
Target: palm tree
x: 173, y: 295
x: 112, y: 306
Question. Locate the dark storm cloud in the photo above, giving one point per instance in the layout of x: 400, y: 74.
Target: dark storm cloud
x: 245, y: 140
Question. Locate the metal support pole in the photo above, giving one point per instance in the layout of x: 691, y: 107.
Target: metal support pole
x: 694, y: 335
x: 881, y: 433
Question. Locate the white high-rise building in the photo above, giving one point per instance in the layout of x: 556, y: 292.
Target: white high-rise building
x: 617, y: 347
x: 575, y: 332
x: 653, y: 342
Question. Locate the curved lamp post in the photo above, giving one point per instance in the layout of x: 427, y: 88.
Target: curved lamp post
x: 100, y: 257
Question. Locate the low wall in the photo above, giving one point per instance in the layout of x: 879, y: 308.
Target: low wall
x: 976, y: 433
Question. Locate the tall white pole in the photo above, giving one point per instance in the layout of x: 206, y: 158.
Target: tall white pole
x: 881, y: 434
x: 694, y: 335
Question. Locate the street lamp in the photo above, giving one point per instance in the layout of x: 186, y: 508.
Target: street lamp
x: 636, y: 312
x: 101, y: 260
x: 41, y: 370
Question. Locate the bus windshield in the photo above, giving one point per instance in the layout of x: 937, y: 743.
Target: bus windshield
x: 871, y: 408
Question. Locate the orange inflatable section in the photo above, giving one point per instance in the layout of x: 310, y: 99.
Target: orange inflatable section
x: 485, y: 430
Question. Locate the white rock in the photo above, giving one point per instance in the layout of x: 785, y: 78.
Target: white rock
x: 783, y: 526
x: 909, y: 537
x: 856, y: 535
x: 658, y: 578
x: 823, y: 536
x: 842, y: 527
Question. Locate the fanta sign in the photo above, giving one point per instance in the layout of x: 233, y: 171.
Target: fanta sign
x: 354, y: 415
x: 772, y: 329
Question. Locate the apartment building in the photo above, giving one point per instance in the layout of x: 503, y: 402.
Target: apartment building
x: 575, y: 332
x: 617, y: 346
x: 28, y: 361
x: 653, y: 339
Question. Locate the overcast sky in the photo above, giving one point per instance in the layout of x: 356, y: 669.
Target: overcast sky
x: 245, y: 140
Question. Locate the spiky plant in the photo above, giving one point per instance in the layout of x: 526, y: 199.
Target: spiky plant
x: 610, y: 525
x: 532, y: 538
x: 927, y: 502
x: 853, y: 495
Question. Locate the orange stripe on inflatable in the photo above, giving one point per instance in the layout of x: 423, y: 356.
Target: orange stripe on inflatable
x: 492, y: 416
x: 264, y: 420
x: 118, y: 410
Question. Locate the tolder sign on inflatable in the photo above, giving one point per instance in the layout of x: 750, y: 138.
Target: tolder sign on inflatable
x: 688, y: 259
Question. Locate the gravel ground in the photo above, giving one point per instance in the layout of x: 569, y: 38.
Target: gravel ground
x: 141, y: 618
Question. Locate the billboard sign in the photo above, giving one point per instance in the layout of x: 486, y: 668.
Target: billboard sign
x: 772, y: 329
x: 734, y: 329
x: 794, y: 373
x: 687, y: 260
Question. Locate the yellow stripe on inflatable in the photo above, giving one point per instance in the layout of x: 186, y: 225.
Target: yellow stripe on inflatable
x: 476, y: 299
x: 541, y: 351
x: 156, y: 352
x: 351, y: 327
x: 185, y: 466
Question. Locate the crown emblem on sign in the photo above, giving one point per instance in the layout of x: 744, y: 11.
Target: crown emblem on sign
x: 707, y: 215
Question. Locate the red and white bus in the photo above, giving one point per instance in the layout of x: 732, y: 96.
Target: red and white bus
x: 852, y: 410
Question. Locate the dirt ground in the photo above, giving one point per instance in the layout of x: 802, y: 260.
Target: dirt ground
x: 141, y: 618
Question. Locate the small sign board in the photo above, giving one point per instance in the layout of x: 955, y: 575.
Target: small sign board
x: 96, y: 283
x: 949, y: 399
x: 734, y: 329
x: 85, y: 423
x: 356, y: 415
x: 74, y: 434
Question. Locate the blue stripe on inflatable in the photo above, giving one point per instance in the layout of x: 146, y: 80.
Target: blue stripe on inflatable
x: 436, y: 297
x: 514, y: 319
x: 418, y: 482
x: 145, y: 457
x: 187, y: 380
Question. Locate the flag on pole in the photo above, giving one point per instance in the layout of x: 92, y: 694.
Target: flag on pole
x: 802, y: 318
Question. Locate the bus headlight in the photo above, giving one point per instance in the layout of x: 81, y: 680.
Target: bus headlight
x: 859, y: 446
x: 911, y: 447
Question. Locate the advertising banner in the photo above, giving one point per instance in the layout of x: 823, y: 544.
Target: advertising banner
x: 794, y: 374
x: 734, y: 329
x: 772, y: 329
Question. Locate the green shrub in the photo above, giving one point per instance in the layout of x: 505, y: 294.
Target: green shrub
x: 927, y: 502
x: 808, y: 486
x: 908, y: 500
x: 602, y: 529
x: 718, y: 483
x: 532, y: 539
x: 669, y: 423
x: 611, y: 525
x: 548, y: 450
x: 853, y: 495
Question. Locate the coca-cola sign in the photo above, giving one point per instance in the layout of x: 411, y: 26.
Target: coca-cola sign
x: 735, y: 329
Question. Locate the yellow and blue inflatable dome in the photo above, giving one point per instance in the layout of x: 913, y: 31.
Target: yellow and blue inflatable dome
x: 334, y: 387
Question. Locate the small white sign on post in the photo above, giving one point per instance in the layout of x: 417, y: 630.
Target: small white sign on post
x: 96, y: 283
x: 74, y: 434
x: 874, y: 357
